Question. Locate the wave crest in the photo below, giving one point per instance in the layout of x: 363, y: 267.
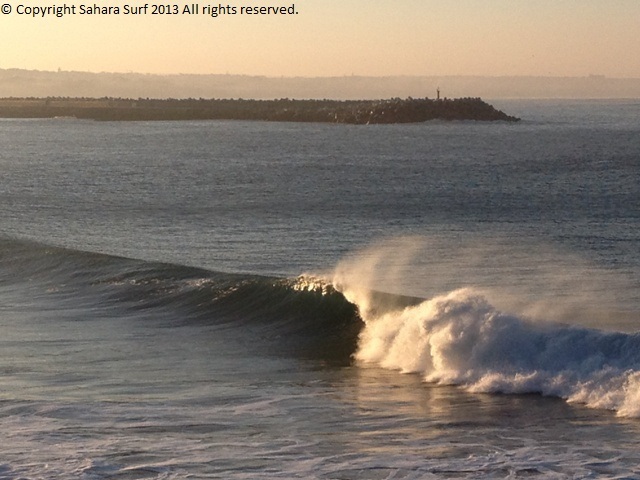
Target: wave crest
x: 460, y: 338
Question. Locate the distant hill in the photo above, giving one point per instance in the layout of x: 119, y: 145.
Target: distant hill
x: 33, y: 83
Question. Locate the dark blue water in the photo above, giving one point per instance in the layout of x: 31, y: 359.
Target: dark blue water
x: 239, y: 299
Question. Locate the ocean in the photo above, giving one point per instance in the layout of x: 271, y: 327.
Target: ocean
x: 246, y: 300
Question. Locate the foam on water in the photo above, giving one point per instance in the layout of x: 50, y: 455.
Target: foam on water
x: 461, y: 338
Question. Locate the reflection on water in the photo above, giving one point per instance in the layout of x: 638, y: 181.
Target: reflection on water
x: 402, y: 419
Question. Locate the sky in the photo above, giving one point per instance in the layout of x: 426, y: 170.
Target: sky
x: 335, y: 38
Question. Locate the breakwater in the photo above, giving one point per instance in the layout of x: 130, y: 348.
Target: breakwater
x: 388, y: 111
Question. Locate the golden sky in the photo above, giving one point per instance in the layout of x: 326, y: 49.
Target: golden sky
x: 336, y: 37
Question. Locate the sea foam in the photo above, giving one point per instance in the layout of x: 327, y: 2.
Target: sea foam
x: 461, y: 338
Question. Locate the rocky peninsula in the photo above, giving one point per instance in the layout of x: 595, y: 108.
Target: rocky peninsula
x: 359, y: 112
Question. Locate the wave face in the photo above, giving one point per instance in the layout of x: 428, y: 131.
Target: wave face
x: 285, y: 316
x: 460, y: 338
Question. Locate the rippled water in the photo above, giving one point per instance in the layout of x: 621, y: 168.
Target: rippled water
x: 154, y: 325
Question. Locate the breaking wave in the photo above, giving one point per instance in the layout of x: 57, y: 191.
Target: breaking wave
x: 458, y: 337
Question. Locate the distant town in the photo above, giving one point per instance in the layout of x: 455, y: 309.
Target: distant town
x: 63, y: 83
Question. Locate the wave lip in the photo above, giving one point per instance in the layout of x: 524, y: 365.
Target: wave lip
x: 459, y: 338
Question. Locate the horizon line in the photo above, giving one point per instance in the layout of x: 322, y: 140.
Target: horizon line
x: 310, y: 77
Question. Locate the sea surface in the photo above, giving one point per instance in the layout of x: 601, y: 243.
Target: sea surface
x: 247, y: 300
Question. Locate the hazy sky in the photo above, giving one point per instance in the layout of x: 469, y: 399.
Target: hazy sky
x: 338, y: 37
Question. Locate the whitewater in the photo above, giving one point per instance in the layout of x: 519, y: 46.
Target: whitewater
x: 241, y: 300
x: 461, y: 338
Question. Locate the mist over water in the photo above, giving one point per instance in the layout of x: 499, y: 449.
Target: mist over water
x: 537, y: 280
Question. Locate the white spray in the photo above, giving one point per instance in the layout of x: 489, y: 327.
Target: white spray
x: 458, y: 336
